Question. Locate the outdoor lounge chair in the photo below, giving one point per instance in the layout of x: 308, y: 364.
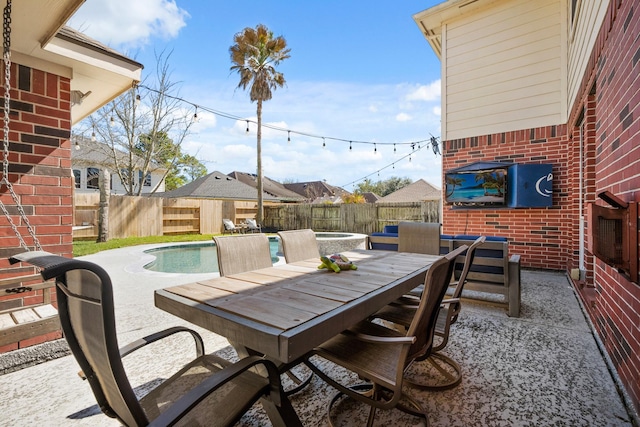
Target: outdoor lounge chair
x: 230, y: 227
x: 209, y: 390
x: 298, y: 245
x: 419, y: 237
x: 252, y: 226
x: 446, y: 372
x: 237, y: 254
x: 380, y: 355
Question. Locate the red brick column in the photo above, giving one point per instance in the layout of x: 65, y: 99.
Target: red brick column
x: 40, y: 173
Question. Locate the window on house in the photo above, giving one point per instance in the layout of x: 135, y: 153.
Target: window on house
x: 77, y: 176
x: 147, y: 179
x: 92, y: 178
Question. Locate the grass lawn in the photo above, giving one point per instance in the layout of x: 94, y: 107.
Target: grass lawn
x: 82, y: 247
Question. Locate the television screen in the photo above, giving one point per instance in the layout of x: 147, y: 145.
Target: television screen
x: 477, y: 188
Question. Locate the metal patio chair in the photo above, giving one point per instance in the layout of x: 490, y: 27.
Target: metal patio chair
x: 238, y: 254
x: 419, y: 237
x: 381, y: 355
x: 401, y: 312
x: 299, y: 245
x: 207, y: 391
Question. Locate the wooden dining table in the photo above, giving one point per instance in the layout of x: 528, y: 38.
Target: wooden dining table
x: 286, y: 310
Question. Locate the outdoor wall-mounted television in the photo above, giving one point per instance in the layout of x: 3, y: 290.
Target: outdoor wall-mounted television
x: 481, y: 187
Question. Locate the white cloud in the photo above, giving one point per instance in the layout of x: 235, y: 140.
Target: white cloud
x: 126, y: 23
x: 437, y: 111
x: 403, y: 117
x: 430, y: 92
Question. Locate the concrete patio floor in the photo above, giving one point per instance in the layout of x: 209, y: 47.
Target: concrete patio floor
x: 541, y: 369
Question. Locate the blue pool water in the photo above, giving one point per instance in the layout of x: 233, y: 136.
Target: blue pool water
x: 193, y: 258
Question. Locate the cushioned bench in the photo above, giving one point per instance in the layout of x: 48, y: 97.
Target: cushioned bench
x: 494, y: 276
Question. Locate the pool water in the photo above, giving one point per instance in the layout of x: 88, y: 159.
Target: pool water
x: 193, y: 258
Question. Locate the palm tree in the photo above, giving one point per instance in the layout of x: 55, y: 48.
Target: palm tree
x: 254, y: 56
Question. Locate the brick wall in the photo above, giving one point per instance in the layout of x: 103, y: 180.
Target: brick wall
x: 538, y: 235
x: 39, y: 171
x: 606, y: 116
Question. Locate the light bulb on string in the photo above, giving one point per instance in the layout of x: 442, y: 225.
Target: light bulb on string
x: 112, y: 122
x: 375, y: 148
x: 394, y: 148
x: 195, y: 116
x: 324, y: 144
x: 93, y: 135
x: 350, y: 146
x: 288, y: 137
x: 247, y: 126
x: 138, y: 99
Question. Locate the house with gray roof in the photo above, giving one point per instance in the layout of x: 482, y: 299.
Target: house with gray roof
x: 218, y: 186
x: 317, y: 190
x: 419, y: 191
x: 269, y: 186
x: 89, y: 157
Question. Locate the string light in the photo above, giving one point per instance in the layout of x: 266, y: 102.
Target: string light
x: 432, y: 141
x: 324, y: 145
x: 93, y: 135
x: 270, y: 126
x: 195, y: 116
x: 375, y: 148
x: 138, y: 99
x: 112, y: 122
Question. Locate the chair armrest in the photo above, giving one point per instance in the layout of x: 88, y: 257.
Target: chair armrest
x: 137, y: 344
x: 451, y: 300
x: 196, y: 395
x: 380, y: 340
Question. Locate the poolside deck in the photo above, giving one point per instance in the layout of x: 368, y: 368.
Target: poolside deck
x: 543, y: 368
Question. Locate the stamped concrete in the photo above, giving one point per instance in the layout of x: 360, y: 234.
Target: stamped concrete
x: 541, y: 369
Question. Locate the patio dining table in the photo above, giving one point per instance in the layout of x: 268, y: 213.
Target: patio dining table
x: 286, y: 310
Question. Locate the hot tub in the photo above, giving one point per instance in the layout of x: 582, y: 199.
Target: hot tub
x: 335, y: 242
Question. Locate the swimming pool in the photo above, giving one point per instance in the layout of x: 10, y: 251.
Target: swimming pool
x: 193, y: 258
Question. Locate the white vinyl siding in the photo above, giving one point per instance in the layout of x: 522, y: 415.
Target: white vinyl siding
x: 504, y: 68
x: 589, y: 17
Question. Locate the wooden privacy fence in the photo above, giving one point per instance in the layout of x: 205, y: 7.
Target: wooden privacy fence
x: 131, y: 216
x: 365, y: 218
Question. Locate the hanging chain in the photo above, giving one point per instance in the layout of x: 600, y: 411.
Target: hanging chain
x: 6, y: 57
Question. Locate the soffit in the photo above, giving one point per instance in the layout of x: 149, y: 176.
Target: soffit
x: 39, y: 39
x: 430, y: 21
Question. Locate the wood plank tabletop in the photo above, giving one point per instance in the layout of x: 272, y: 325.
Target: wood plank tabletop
x: 286, y: 310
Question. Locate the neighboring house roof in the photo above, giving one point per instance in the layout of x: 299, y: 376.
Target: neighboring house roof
x: 95, y: 153
x: 39, y: 36
x: 314, y: 189
x: 418, y: 191
x: 269, y: 186
x: 217, y: 185
x: 327, y: 199
x: 370, y: 197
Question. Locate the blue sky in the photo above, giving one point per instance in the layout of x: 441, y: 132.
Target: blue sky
x: 359, y: 71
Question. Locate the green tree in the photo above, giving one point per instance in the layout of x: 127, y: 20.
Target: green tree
x: 254, y: 56
x: 143, y: 128
x: 382, y: 188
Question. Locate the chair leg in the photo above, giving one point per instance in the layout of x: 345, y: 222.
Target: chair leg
x: 413, y: 408
x: 444, y: 372
x: 300, y: 375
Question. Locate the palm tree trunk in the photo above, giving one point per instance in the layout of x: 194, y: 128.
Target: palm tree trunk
x: 259, y: 215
